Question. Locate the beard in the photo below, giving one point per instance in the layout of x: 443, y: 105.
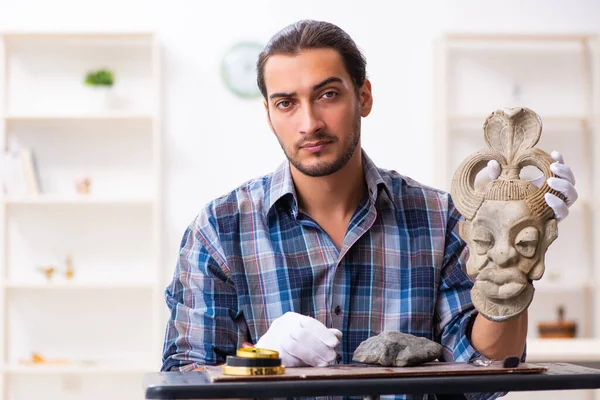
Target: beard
x: 324, y: 168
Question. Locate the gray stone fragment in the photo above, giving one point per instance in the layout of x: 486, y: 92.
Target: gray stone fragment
x: 397, y: 349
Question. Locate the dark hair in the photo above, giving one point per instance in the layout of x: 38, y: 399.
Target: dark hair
x: 309, y: 34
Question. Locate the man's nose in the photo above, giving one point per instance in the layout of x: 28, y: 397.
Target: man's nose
x: 503, y: 255
x: 311, y: 121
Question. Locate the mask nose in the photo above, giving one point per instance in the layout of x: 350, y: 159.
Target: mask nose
x: 503, y: 255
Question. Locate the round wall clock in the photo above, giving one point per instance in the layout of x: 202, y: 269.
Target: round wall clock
x: 238, y: 69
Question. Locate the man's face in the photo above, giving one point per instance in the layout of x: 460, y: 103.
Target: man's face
x: 314, y: 110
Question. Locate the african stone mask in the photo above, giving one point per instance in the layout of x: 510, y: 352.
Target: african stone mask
x: 508, y: 226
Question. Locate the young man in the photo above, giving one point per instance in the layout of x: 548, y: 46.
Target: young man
x: 328, y: 250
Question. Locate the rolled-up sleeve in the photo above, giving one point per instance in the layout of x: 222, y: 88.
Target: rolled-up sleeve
x: 202, y: 301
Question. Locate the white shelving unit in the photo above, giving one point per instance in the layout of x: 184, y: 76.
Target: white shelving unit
x: 557, y: 76
x: 76, y: 199
x: 105, y: 323
x: 105, y: 368
x: 574, y: 351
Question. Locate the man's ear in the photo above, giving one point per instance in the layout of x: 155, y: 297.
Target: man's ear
x: 268, y: 116
x: 365, y: 96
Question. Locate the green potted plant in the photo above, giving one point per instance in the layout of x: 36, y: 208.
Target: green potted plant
x: 101, y: 82
x: 100, y: 77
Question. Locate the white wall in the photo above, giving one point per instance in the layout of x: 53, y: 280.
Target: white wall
x: 214, y: 141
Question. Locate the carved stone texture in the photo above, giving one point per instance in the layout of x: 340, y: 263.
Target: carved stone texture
x: 397, y: 349
x: 508, y: 225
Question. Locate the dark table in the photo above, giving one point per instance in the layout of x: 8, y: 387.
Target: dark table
x: 197, y: 385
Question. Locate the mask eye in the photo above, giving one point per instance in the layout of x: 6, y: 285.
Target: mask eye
x: 483, y: 239
x: 526, y: 241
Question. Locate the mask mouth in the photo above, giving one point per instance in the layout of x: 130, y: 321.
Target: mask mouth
x: 501, y: 283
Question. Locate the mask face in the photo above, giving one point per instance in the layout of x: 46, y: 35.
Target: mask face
x: 506, y: 250
x: 508, y: 224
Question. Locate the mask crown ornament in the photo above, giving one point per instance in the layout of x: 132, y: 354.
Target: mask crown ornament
x: 508, y: 225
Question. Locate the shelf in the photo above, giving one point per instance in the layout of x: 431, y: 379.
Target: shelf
x: 116, y: 144
x: 541, y: 37
x: 48, y: 199
x: 566, y: 350
x: 87, y: 38
x: 457, y: 118
x: 76, y: 34
x: 543, y: 286
x: 79, y: 368
x: 110, y: 116
x: 78, y: 286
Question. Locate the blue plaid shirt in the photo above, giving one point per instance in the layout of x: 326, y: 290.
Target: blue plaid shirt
x: 252, y: 255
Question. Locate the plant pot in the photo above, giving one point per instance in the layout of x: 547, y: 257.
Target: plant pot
x: 559, y: 329
x: 99, y: 98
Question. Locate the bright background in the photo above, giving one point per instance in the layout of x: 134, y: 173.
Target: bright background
x: 214, y: 141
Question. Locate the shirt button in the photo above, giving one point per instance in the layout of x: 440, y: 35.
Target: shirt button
x: 338, y: 358
x: 337, y: 310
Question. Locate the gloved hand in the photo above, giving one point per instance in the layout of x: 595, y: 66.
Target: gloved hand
x: 565, y: 184
x: 301, y: 341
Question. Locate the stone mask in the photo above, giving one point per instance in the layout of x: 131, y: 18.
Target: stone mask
x: 508, y: 226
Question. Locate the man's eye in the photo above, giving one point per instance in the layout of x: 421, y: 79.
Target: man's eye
x: 329, y: 95
x: 283, y: 104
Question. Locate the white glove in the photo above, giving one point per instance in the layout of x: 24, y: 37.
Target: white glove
x: 301, y: 341
x: 565, y: 184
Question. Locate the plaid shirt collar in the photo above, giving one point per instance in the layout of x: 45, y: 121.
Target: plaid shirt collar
x: 282, y: 185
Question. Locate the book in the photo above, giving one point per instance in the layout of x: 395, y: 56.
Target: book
x: 19, y: 174
x: 30, y: 173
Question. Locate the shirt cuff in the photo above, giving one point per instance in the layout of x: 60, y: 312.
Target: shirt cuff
x: 174, y: 365
x: 188, y: 367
